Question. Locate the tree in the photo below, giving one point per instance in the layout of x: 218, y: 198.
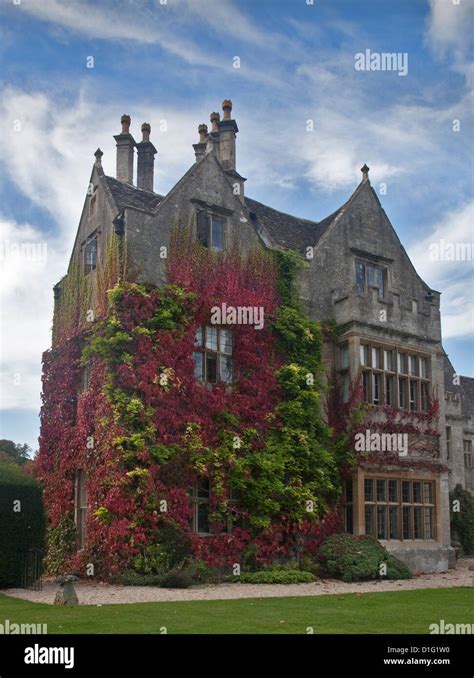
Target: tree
x: 20, y: 454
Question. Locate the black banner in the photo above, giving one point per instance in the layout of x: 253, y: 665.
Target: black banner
x: 368, y: 655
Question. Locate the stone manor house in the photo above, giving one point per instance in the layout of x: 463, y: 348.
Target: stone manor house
x: 359, y: 276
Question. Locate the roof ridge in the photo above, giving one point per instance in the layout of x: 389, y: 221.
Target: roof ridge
x: 132, y: 186
x: 285, y: 214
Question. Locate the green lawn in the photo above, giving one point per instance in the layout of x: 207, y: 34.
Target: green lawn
x: 393, y: 612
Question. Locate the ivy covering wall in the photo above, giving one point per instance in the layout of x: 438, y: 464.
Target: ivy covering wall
x: 145, y: 430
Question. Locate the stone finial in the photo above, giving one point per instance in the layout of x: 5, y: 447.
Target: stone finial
x: 98, y: 157
x: 365, y: 171
x: 202, y: 129
x: 215, y: 117
x: 227, y: 108
x: 125, y: 120
x: 146, y: 129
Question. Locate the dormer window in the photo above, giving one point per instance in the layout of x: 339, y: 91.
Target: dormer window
x: 90, y: 254
x: 370, y: 275
x: 210, y: 230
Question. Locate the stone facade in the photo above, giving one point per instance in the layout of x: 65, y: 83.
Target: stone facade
x: 357, y: 275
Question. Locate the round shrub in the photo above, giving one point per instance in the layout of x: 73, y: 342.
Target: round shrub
x: 22, y: 522
x: 177, y: 579
x: 357, y: 558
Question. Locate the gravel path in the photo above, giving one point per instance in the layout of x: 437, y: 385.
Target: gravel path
x: 105, y: 594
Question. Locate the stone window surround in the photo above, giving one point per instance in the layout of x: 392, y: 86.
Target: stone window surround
x: 80, y: 507
x: 219, y: 354
x: 211, y: 211
x: 396, y: 374
x: 93, y: 201
x: 201, y: 498
x: 353, y: 370
x: 94, y: 235
x: 358, y: 503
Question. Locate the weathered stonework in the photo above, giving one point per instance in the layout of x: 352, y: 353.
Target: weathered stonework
x: 405, y: 317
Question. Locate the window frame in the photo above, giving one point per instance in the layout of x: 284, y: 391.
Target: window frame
x: 467, y: 452
x: 93, y: 201
x: 449, y: 442
x: 81, y: 507
x: 410, y: 392
x: 425, y: 506
x: 206, y: 240
x: 343, y: 362
x: 92, y: 238
x: 198, y: 501
x: 365, y: 265
x: 218, y: 354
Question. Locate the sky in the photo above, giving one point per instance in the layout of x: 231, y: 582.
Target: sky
x: 308, y: 120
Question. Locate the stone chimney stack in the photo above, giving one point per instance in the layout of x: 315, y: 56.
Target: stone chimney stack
x: 146, y: 160
x: 227, y: 133
x: 125, y: 146
x: 200, y: 148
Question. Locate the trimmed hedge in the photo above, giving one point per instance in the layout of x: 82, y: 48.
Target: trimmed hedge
x: 132, y: 579
x: 352, y: 558
x: 275, y: 577
x: 22, y: 522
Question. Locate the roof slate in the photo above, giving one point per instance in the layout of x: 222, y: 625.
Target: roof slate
x: 285, y: 230
x: 126, y: 195
x: 467, y: 397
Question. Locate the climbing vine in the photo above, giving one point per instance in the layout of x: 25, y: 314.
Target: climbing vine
x: 145, y: 431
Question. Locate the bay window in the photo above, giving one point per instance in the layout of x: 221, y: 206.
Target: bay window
x: 394, y: 378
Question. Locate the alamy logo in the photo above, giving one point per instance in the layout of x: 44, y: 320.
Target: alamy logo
x: 35, y: 252
x: 50, y: 655
x: 10, y: 628
x: 238, y: 315
x: 381, y: 61
x: 451, y: 629
x: 381, y: 442
x: 450, y: 251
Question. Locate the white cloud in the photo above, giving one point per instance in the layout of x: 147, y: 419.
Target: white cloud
x: 49, y: 161
x: 455, y: 279
x: 50, y: 157
x: 115, y: 22
x: 449, y: 25
x: 30, y: 265
x: 168, y: 25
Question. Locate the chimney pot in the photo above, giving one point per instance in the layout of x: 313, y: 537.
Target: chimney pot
x: 146, y: 129
x: 203, y: 131
x: 227, y: 108
x: 125, y: 120
x: 215, y: 117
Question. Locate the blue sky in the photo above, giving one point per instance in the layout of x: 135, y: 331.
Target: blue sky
x: 175, y: 62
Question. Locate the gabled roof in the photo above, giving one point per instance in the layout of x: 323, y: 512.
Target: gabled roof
x: 465, y: 388
x: 449, y: 373
x: 126, y: 195
x: 467, y: 396
x: 285, y: 230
